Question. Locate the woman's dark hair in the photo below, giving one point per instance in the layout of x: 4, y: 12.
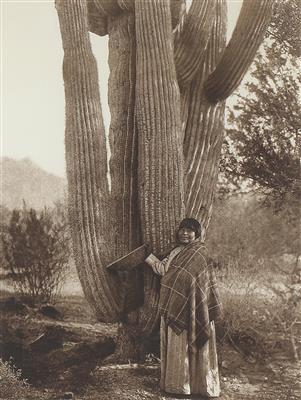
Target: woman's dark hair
x: 192, y: 224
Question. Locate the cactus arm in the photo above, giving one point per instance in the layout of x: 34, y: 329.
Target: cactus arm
x: 127, y: 5
x: 204, y: 129
x: 123, y: 132
x: 192, y: 38
x: 107, y: 7
x: 98, y: 23
x: 248, y: 34
x: 160, y: 155
x: 100, y: 10
x: 177, y: 8
x: 86, y: 162
x: 159, y: 125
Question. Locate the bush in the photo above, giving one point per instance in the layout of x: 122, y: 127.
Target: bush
x: 36, y: 252
x: 241, y: 228
x: 261, y: 308
x: 12, y: 386
x: 255, y: 252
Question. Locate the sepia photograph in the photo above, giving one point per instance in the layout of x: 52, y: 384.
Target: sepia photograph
x: 150, y: 230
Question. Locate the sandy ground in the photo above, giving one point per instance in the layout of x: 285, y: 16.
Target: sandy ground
x: 279, y: 381
x: 241, y: 379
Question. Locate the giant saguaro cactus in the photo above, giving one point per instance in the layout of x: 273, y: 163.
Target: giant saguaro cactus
x: 170, y: 73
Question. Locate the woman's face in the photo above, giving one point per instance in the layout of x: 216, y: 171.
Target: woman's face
x: 186, y: 235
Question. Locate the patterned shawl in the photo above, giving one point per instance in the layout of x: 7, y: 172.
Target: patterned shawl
x: 189, y: 293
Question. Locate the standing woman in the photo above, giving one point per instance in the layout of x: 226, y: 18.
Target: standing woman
x: 189, y: 304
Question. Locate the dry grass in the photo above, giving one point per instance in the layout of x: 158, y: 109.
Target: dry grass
x: 14, y: 387
x: 259, y: 310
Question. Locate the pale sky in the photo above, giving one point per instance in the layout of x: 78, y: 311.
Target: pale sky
x: 32, y: 93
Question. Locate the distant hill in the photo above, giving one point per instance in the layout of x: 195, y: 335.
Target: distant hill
x: 24, y: 180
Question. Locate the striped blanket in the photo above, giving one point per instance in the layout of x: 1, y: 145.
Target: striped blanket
x: 189, y: 293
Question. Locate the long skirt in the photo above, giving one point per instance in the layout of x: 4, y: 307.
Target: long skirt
x: 187, y: 369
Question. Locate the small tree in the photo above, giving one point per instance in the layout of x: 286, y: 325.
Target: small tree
x: 5, y: 215
x: 263, y: 142
x: 36, y: 252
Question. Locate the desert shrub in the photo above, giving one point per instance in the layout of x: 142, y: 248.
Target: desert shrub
x: 287, y: 310
x: 255, y: 251
x: 261, y: 309
x: 242, y: 228
x: 12, y: 386
x: 5, y: 215
x: 36, y: 252
x: 244, y: 311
